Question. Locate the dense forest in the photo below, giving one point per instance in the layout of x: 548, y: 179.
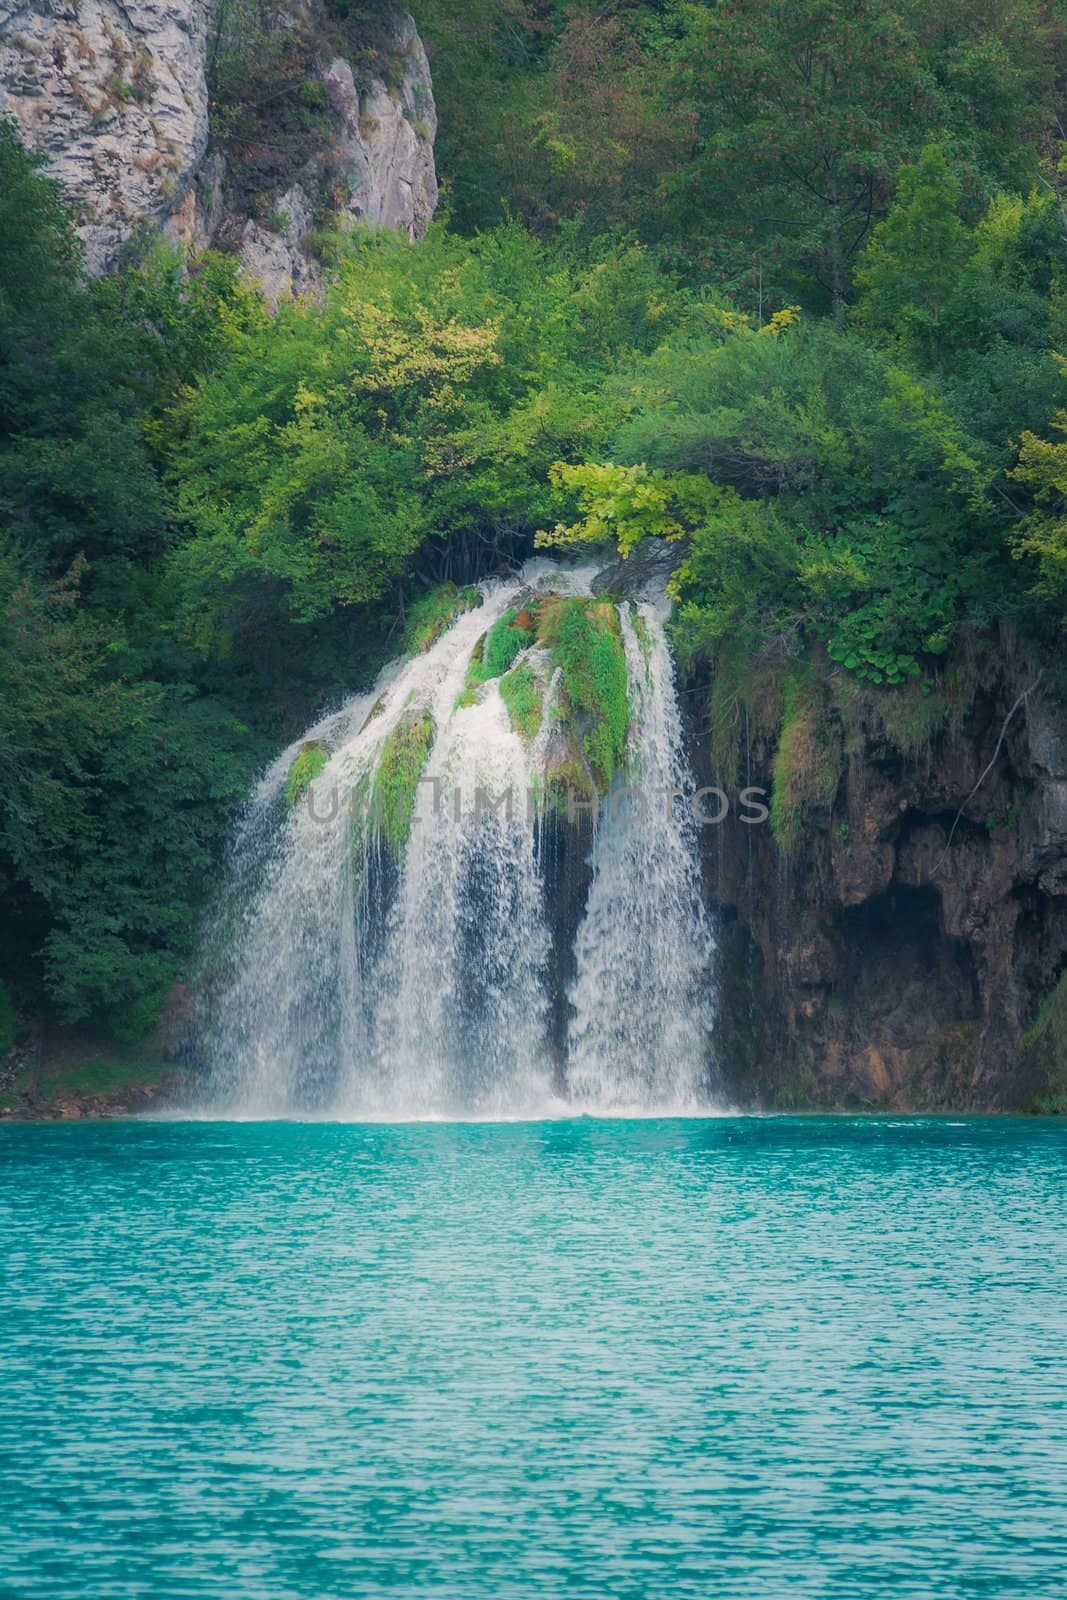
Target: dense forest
x: 786, y: 282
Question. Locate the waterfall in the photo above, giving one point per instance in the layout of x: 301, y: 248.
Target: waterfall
x: 350, y: 971
x: 641, y: 1012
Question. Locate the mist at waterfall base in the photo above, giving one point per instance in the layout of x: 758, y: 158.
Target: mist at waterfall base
x: 339, y: 982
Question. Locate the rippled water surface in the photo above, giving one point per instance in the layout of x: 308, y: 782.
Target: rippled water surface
x: 726, y: 1359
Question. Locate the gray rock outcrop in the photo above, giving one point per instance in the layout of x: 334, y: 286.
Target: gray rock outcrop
x: 115, y: 94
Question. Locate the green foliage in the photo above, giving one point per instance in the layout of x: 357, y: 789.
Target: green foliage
x: 848, y: 496
x: 756, y: 143
x: 523, y: 694
x: 396, y: 781
x: 914, y: 261
x: 584, y: 639
x: 1042, y: 468
x: 73, y: 469
x: 403, y: 424
x: 629, y: 504
x: 434, y: 614
x: 305, y: 769
x: 119, y: 775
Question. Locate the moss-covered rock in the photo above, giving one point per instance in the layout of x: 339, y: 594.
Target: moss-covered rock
x: 569, y: 783
x: 641, y: 633
x: 305, y: 769
x: 522, y: 694
x: 584, y: 638
x: 396, y: 782
x: 434, y: 614
x: 496, y: 650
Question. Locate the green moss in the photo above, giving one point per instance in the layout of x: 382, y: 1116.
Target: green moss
x: 304, y: 770
x: 914, y: 714
x: 105, y: 1075
x: 809, y: 760
x: 70, y: 1072
x: 431, y: 616
x: 569, y: 778
x: 521, y: 693
x: 375, y: 712
x: 585, y: 641
x: 1044, y: 1051
x: 910, y: 717
x: 133, y: 1020
x: 497, y: 649
x: 399, y: 770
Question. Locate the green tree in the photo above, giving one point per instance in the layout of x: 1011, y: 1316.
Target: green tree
x: 74, y: 477
x: 1042, y: 469
x: 914, y: 261
x: 805, y: 112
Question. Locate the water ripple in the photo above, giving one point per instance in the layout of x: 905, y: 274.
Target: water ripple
x: 813, y: 1358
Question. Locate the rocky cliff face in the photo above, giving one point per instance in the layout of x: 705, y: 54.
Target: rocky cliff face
x: 115, y: 95
x: 905, y: 949
x: 309, y: 122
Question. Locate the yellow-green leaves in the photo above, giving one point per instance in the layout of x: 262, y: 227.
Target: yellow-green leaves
x: 628, y: 504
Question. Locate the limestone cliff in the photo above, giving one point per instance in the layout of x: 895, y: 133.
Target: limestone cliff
x: 114, y: 93
x: 242, y: 126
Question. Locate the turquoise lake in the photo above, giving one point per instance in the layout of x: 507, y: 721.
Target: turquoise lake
x: 710, y: 1358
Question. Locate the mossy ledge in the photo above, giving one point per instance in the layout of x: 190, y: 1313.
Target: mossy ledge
x: 584, y: 638
x: 304, y: 770
x: 434, y: 614
x: 496, y: 650
x: 820, y: 719
x: 397, y: 780
x: 522, y: 694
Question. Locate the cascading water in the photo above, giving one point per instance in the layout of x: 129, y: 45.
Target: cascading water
x: 642, y: 1015
x: 355, y: 973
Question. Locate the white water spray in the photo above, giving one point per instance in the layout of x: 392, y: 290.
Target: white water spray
x: 341, y: 982
x: 642, y: 1014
